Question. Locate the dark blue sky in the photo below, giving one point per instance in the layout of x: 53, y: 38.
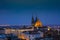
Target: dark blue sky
x: 20, y: 11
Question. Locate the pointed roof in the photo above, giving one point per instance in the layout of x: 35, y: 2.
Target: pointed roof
x: 32, y: 19
x: 36, y: 19
x: 38, y: 22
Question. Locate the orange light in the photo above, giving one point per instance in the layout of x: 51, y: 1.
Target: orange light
x: 38, y: 24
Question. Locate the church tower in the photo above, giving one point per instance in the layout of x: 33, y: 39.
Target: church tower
x: 36, y: 19
x: 32, y: 21
x: 36, y: 23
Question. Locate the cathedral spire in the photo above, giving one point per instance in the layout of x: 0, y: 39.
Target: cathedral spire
x: 36, y: 18
x: 32, y: 21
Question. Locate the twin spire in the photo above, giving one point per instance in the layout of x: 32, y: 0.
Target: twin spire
x: 36, y: 22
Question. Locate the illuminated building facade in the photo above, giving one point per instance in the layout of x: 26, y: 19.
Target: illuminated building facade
x: 36, y: 23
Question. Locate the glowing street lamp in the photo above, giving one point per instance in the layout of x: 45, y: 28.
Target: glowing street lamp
x: 49, y: 28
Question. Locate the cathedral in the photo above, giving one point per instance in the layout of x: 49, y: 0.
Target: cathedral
x: 36, y: 22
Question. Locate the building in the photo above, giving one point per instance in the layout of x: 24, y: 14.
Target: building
x: 3, y: 37
x: 2, y: 31
x: 31, y: 35
x: 36, y: 23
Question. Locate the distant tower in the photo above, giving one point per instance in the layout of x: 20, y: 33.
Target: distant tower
x: 32, y: 21
x: 36, y: 23
x: 36, y: 19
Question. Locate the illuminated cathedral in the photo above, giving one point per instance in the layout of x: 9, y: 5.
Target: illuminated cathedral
x: 36, y: 22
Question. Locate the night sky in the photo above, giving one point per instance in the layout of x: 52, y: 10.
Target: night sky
x: 20, y: 11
